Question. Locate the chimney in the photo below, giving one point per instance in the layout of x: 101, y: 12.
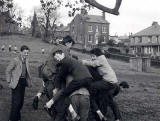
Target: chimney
x: 103, y: 15
x: 83, y: 11
x: 154, y: 23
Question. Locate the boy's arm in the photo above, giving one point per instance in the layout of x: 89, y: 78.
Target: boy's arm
x: 93, y: 63
x: 9, y: 70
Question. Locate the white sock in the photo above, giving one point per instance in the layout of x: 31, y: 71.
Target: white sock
x: 39, y: 95
x: 49, y: 103
x: 72, y: 111
x: 100, y: 114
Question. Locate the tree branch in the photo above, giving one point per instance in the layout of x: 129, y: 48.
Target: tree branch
x: 114, y: 11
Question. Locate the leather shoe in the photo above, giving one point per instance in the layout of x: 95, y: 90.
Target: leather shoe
x: 104, y: 119
x: 77, y: 118
x: 48, y: 110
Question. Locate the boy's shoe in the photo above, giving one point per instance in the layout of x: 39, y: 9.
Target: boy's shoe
x: 104, y: 119
x: 48, y: 110
x: 77, y: 118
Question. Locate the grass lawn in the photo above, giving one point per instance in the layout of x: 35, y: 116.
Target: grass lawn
x: 141, y: 102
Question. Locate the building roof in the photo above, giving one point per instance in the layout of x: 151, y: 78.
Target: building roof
x: 63, y: 28
x: 150, y: 31
x: 123, y: 37
x: 96, y: 19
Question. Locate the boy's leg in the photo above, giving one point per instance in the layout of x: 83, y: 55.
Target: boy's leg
x: 84, y: 107
x: 16, y: 103
x: 61, y: 107
x: 114, y: 108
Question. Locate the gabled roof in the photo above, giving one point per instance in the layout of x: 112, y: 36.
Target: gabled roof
x: 150, y: 31
x: 123, y: 37
x: 63, y: 28
x: 96, y: 19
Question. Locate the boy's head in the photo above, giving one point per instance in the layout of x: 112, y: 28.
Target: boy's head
x: 58, y: 55
x: 96, y: 52
x: 68, y: 41
x: 24, y: 50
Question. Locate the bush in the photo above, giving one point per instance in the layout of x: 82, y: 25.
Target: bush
x: 114, y: 50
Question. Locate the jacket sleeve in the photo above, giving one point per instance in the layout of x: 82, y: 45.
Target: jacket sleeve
x: 9, y: 70
x: 93, y: 63
x: 61, y: 76
x: 42, y: 88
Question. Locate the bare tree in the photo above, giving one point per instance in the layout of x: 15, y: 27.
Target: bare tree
x: 48, y: 16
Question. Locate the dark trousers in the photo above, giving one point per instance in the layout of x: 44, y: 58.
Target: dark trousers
x: 107, y: 90
x: 60, y: 109
x: 81, y: 105
x: 73, y: 86
x: 17, y: 100
x: 102, y: 105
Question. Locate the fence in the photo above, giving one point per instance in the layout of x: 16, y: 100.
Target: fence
x: 155, y: 62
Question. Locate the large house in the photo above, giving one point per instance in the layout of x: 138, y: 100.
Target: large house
x: 147, y: 41
x: 7, y: 24
x: 89, y: 30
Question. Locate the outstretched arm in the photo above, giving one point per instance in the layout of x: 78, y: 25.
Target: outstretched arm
x: 93, y: 63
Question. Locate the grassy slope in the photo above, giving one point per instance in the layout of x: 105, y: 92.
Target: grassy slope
x: 139, y: 103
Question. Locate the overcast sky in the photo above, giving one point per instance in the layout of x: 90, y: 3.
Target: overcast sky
x: 135, y: 15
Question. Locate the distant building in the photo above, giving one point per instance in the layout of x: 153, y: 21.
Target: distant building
x: 7, y: 24
x: 125, y: 40
x: 62, y: 31
x: 147, y: 41
x: 114, y: 39
x: 89, y: 30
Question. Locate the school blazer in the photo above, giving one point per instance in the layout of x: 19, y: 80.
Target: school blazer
x: 14, y: 71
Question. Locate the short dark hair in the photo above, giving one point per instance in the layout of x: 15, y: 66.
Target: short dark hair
x: 24, y: 47
x: 96, y: 51
x: 58, y: 52
x: 67, y: 39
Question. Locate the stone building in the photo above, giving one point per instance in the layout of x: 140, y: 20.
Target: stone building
x: 147, y: 41
x: 89, y: 30
x: 62, y: 31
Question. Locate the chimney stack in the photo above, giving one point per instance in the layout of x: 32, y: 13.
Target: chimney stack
x: 83, y: 11
x: 154, y: 23
x: 103, y: 15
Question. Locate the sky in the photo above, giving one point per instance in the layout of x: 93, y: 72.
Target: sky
x: 135, y: 15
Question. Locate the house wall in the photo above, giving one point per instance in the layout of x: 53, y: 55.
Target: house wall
x: 150, y: 45
x: 79, y: 31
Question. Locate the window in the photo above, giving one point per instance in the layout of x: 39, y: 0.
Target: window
x: 103, y: 39
x: 104, y: 29
x: 73, y: 29
x: 90, y: 28
x: 90, y: 38
x: 140, y: 39
x: 97, y: 28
